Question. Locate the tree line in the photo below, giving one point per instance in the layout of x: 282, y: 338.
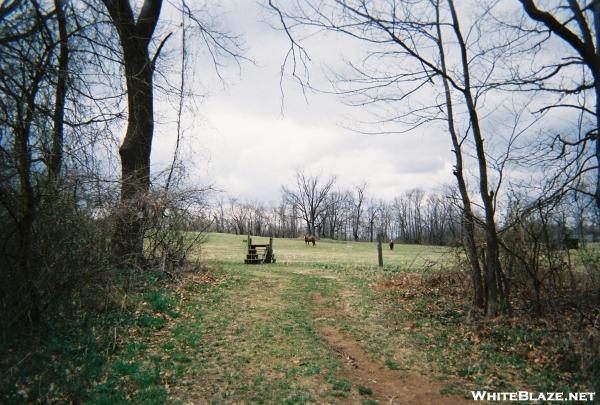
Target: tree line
x: 315, y: 206
x: 413, y: 217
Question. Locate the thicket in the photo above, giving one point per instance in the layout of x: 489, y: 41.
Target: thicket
x: 62, y: 78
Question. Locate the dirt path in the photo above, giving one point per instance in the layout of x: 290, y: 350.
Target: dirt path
x: 295, y: 334
x: 378, y: 381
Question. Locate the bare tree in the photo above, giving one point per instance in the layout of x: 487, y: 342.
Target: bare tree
x: 457, y: 144
x: 58, y: 117
x: 492, y: 267
x: 34, y: 56
x: 422, y: 34
x: 372, y: 213
x: 334, y: 217
x: 44, y: 180
x: 239, y: 216
x: 577, y: 23
x: 357, y: 202
x: 135, y: 35
x: 310, y: 198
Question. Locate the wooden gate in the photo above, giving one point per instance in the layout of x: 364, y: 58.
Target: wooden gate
x: 259, y: 254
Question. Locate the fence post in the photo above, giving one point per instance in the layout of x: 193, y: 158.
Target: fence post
x: 379, y: 250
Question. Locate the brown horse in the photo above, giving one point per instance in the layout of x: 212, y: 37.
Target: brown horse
x: 392, y: 244
x: 309, y: 238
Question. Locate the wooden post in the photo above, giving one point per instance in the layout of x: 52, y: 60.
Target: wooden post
x: 379, y: 250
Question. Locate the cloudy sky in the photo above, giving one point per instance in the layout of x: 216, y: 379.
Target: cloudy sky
x: 242, y: 143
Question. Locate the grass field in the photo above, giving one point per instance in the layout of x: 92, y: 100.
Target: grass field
x: 322, y: 325
x: 232, y: 249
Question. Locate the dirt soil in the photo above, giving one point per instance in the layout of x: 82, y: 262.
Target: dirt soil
x: 387, y: 386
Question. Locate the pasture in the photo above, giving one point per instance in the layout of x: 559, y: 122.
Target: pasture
x: 322, y: 325
x: 227, y: 248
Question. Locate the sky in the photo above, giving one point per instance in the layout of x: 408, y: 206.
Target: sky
x: 242, y: 141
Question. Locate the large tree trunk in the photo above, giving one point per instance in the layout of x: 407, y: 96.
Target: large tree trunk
x: 56, y: 153
x: 135, y: 156
x: 596, y: 74
x: 135, y: 36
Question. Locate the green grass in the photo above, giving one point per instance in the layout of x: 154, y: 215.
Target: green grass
x: 232, y: 249
x: 252, y: 335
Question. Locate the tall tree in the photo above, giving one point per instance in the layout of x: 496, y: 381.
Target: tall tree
x: 405, y: 46
x: 357, y: 202
x: 310, y: 198
x: 468, y: 219
x: 135, y: 37
x: 486, y: 193
x: 34, y: 59
x: 56, y: 154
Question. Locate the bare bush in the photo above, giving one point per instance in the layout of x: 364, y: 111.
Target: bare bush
x: 69, y: 260
x: 589, y: 258
x: 175, y: 224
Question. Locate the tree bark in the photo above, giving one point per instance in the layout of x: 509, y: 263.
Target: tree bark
x: 56, y: 153
x: 492, y: 265
x: 135, y: 150
x: 29, y: 200
x: 468, y: 223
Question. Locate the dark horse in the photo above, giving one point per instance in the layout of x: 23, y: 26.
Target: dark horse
x: 392, y: 244
x: 309, y: 238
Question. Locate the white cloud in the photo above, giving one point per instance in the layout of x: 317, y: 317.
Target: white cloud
x: 244, y: 146
x: 253, y: 155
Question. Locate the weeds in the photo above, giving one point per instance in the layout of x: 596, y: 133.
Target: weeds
x: 503, y: 354
x: 250, y: 333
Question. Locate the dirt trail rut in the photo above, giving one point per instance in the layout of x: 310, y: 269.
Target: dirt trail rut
x: 387, y: 386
